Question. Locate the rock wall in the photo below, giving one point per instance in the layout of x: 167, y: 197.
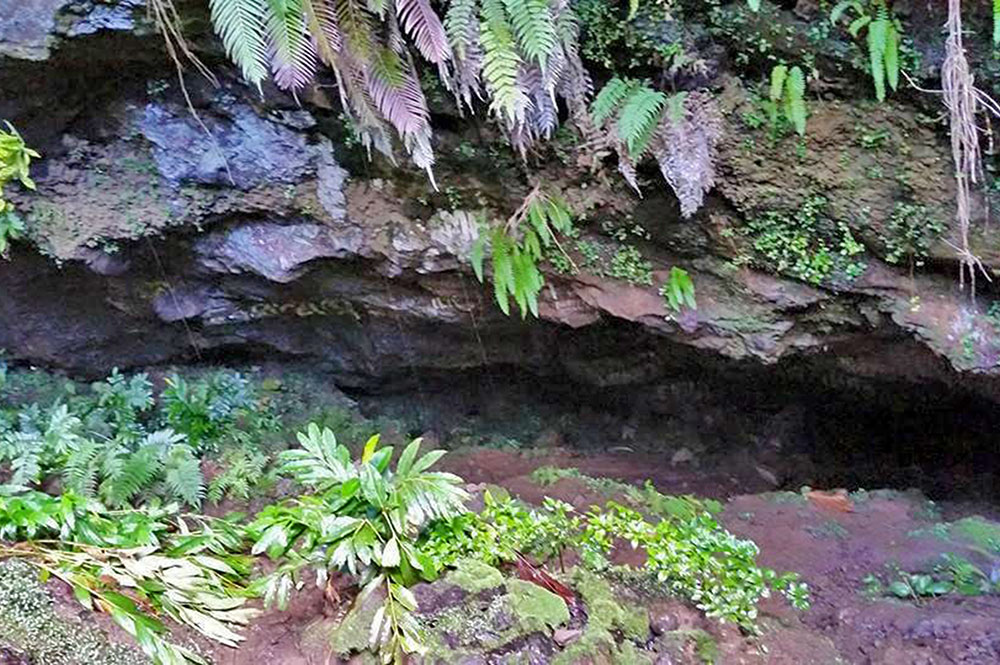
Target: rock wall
x: 257, y: 228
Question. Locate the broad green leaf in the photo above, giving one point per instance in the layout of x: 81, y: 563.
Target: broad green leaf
x: 370, y: 446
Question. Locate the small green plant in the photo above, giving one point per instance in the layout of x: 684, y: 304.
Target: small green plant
x: 243, y: 470
x: 517, y: 246
x: 806, y: 244
x: 628, y: 264
x: 787, y: 98
x: 883, y: 39
x: 361, y: 517
x: 910, y: 233
x: 918, y: 586
x: 15, y: 164
x: 678, y: 292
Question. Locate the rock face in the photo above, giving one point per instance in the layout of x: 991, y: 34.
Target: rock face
x: 256, y: 229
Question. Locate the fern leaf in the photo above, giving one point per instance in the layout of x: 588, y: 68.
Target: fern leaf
x: 182, y: 476
x: 795, y: 105
x: 356, y: 26
x: 501, y: 63
x: 534, y: 27
x: 891, y: 56
x: 424, y: 27
x: 610, y: 98
x: 80, y: 473
x: 241, y: 24
x: 639, y: 118
x: 996, y: 22
x: 321, y: 21
x: 778, y: 75
x: 293, y: 53
x: 877, y: 35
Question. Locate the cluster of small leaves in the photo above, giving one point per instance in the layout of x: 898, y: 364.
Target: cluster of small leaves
x: 361, y: 517
x: 909, y: 234
x: 243, y: 470
x: 680, y: 132
x: 806, y: 244
x: 517, y: 247
x: 787, y: 98
x: 692, y: 554
x: 678, y: 292
x: 136, y: 565
x: 883, y: 39
x: 15, y: 163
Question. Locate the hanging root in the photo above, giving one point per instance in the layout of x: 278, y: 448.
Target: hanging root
x: 964, y: 101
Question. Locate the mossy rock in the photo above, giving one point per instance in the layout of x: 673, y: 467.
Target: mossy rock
x: 606, y: 617
x: 474, y: 576
x: 535, y: 606
x: 30, y: 623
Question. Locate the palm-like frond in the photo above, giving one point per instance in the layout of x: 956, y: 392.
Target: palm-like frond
x: 241, y: 24
x: 501, y: 63
x: 293, y: 54
x: 534, y: 27
x: 639, y: 117
x: 425, y: 28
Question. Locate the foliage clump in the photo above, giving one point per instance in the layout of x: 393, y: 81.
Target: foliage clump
x: 15, y: 163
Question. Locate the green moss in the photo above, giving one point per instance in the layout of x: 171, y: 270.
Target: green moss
x: 979, y: 531
x: 351, y: 635
x: 536, y: 606
x: 705, y: 646
x: 475, y: 576
x: 605, y: 616
x: 29, y: 622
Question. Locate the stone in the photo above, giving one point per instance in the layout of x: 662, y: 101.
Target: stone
x: 682, y: 456
x: 662, y: 620
x: 564, y: 636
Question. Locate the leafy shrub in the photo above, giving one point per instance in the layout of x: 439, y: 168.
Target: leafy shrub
x: 517, y: 246
x: 15, y: 163
x: 361, y: 517
x: 693, y: 555
x: 206, y: 410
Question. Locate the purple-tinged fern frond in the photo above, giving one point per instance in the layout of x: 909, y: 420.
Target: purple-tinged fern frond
x: 461, y: 24
x: 321, y: 21
x: 424, y: 27
x: 293, y: 54
x: 242, y: 26
x: 685, y: 149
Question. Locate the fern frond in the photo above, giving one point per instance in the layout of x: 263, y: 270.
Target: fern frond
x: 639, y: 118
x: 82, y: 468
x: 293, y: 54
x: 795, y: 105
x: 996, y: 22
x: 182, y: 477
x: 891, y: 56
x: 356, y: 26
x: 321, y: 21
x: 610, y: 98
x: 534, y: 28
x: 778, y: 75
x: 461, y: 25
x: 241, y: 24
x: 422, y: 24
x: 501, y: 64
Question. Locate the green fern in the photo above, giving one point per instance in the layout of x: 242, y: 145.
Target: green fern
x: 532, y: 23
x: 518, y: 246
x: 242, y: 471
x: 501, y: 63
x: 996, y: 22
x: 678, y: 292
x: 882, y: 40
x: 787, y: 96
x: 241, y: 24
x: 182, y: 476
x: 610, y: 99
x: 640, y: 115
